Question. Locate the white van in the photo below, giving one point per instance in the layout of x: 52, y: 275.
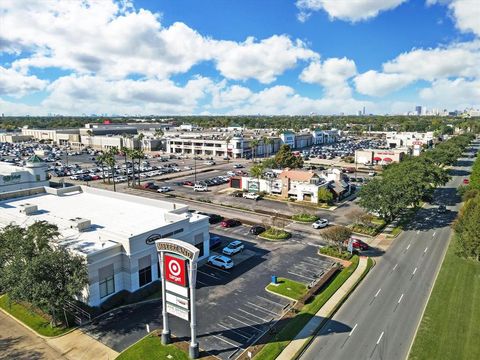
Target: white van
x: 198, y: 187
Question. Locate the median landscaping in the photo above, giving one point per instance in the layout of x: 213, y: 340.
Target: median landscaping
x: 334, y: 252
x: 280, y: 341
x: 450, y: 327
x: 305, y: 218
x: 33, y: 318
x: 275, y: 234
x: 288, y: 288
x: 150, y: 347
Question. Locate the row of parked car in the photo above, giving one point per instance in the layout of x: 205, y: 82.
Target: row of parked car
x: 343, y: 148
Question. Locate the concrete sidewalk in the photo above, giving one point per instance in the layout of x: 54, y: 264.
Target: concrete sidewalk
x: 324, y: 313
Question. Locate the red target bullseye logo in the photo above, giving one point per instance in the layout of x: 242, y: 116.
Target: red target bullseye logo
x: 175, y: 270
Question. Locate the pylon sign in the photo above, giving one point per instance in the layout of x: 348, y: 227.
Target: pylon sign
x: 178, y: 266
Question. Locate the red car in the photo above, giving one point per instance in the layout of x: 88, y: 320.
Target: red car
x: 359, y: 244
x: 230, y: 223
x: 95, y: 177
x: 188, y: 183
x: 466, y: 181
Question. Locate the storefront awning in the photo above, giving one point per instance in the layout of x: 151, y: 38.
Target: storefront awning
x: 376, y: 158
x: 387, y: 160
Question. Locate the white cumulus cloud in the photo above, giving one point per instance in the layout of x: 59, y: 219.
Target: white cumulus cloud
x: 349, y: 10
x: 15, y: 84
x: 374, y: 83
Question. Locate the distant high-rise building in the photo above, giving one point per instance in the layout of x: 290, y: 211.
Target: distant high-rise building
x: 364, y: 111
x: 418, y: 110
x: 359, y: 113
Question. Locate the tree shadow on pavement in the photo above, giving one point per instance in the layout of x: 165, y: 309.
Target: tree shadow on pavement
x: 10, y: 349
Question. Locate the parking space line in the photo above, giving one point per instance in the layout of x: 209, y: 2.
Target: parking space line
x: 234, y: 331
x: 298, y: 267
x: 302, y: 276
x: 244, y: 332
x: 210, y: 275
x: 201, y: 282
x: 262, y: 309
x: 270, y: 301
x: 244, y: 323
x: 258, y: 317
x: 228, y: 342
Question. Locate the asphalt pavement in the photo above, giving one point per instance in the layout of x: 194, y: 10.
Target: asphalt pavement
x: 380, y: 319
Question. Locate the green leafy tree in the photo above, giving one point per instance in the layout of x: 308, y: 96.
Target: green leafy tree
x: 467, y: 230
x: 284, y: 158
x: 337, y: 235
x: 257, y: 170
x: 253, y: 144
x: 325, y: 196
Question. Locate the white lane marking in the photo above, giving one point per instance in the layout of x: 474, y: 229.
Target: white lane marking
x: 418, y: 231
x: 244, y: 323
x: 378, y: 292
x: 212, y: 276
x: 200, y: 282
x: 395, y: 267
x: 262, y: 309
x: 351, y: 332
x: 302, y: 276
x: 414, y: 271
x: 380, y: 338
x: 270, y: 301
x: 250, y: 314
x: 234, y: 331
x: 408, y: 247
x: 228, y: 342
x: 400, y: 299
x: 424, y: 251
x: 434, y: 234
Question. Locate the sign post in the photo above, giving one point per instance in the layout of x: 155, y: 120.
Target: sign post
x: 178, y: 267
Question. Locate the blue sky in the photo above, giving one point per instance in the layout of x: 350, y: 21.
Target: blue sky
x: 238, y: 57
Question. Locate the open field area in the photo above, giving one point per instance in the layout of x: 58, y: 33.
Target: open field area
x: 450, y: 327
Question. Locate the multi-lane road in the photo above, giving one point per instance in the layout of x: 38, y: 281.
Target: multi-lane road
x: 380, y: 319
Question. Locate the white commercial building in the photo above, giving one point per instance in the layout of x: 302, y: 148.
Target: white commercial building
x: 110, y: 230
x: 33, y: 174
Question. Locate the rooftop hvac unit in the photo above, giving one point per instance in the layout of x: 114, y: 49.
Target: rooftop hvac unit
x: 80, y: 224
x: 28, y: 209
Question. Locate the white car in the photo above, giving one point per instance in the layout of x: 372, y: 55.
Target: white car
x: 237, y: 166
x: 187, y: 168
x: 221, y: 261
x: 209, y: 163
x: 372, y: 173
x: 200, y: 188
x: 320, y: 224
x: 251, y: 196
x: 230, y: 173
x: 233, y: 248
x: 164, y: 189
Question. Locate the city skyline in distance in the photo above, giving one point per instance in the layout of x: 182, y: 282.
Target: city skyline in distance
x: 244, y: 57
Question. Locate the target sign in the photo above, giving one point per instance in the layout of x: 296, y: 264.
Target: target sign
x: 175, y: 270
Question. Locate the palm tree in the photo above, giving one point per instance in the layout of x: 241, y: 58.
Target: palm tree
x: 111, y: 162
x: 126, y: 154
x: 253, y: 144
x: 102, y: 160
x: 137, y: 155
x: 158, y: 133
x: 269, y: 142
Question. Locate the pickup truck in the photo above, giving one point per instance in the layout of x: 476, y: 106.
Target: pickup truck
x: 251, y: 196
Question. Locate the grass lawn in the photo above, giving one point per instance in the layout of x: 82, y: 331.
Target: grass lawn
x: 307, y: 218
x: 450, y: 327
x: 151, y: 347
x: 271, y: 350
x: 275, y: 234
x: 40, y: 324
x: 289, y: 288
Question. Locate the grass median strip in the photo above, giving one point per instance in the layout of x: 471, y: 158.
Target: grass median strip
x: 31, y: 318
x: 450, y: 327
x: 150, y: 347
x: 289, y: 288
x: 271, y: 350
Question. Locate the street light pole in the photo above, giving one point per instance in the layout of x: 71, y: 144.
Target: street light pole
x: 195, y: 169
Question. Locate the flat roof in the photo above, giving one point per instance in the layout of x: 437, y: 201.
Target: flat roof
x: 114, y: 217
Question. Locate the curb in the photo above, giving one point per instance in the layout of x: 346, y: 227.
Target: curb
x: 283, y: 296
x: 34, y: 331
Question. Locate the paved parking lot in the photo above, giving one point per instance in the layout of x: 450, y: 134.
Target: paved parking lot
x: 233, y: 307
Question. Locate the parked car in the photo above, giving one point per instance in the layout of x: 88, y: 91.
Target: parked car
x: 466, y: 181
x: 150, y: 185
x: 212, y: 218
x: 209, y: 162
x: 237, y: 194
x: 164, y: 189
x: 214, y: 241
x: 442, y: 209
x: 257, y: 229
x: 359, y: 244
x: 230, y: 173
x: 188, y: 183
x: 200, y: 188
x: 251, y: 196
x: 237, y: 166
x: 221, y: 261
x: 233, y: 248
x: 228, y: 223
x: 320, y: 224
x: 372, y: 173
